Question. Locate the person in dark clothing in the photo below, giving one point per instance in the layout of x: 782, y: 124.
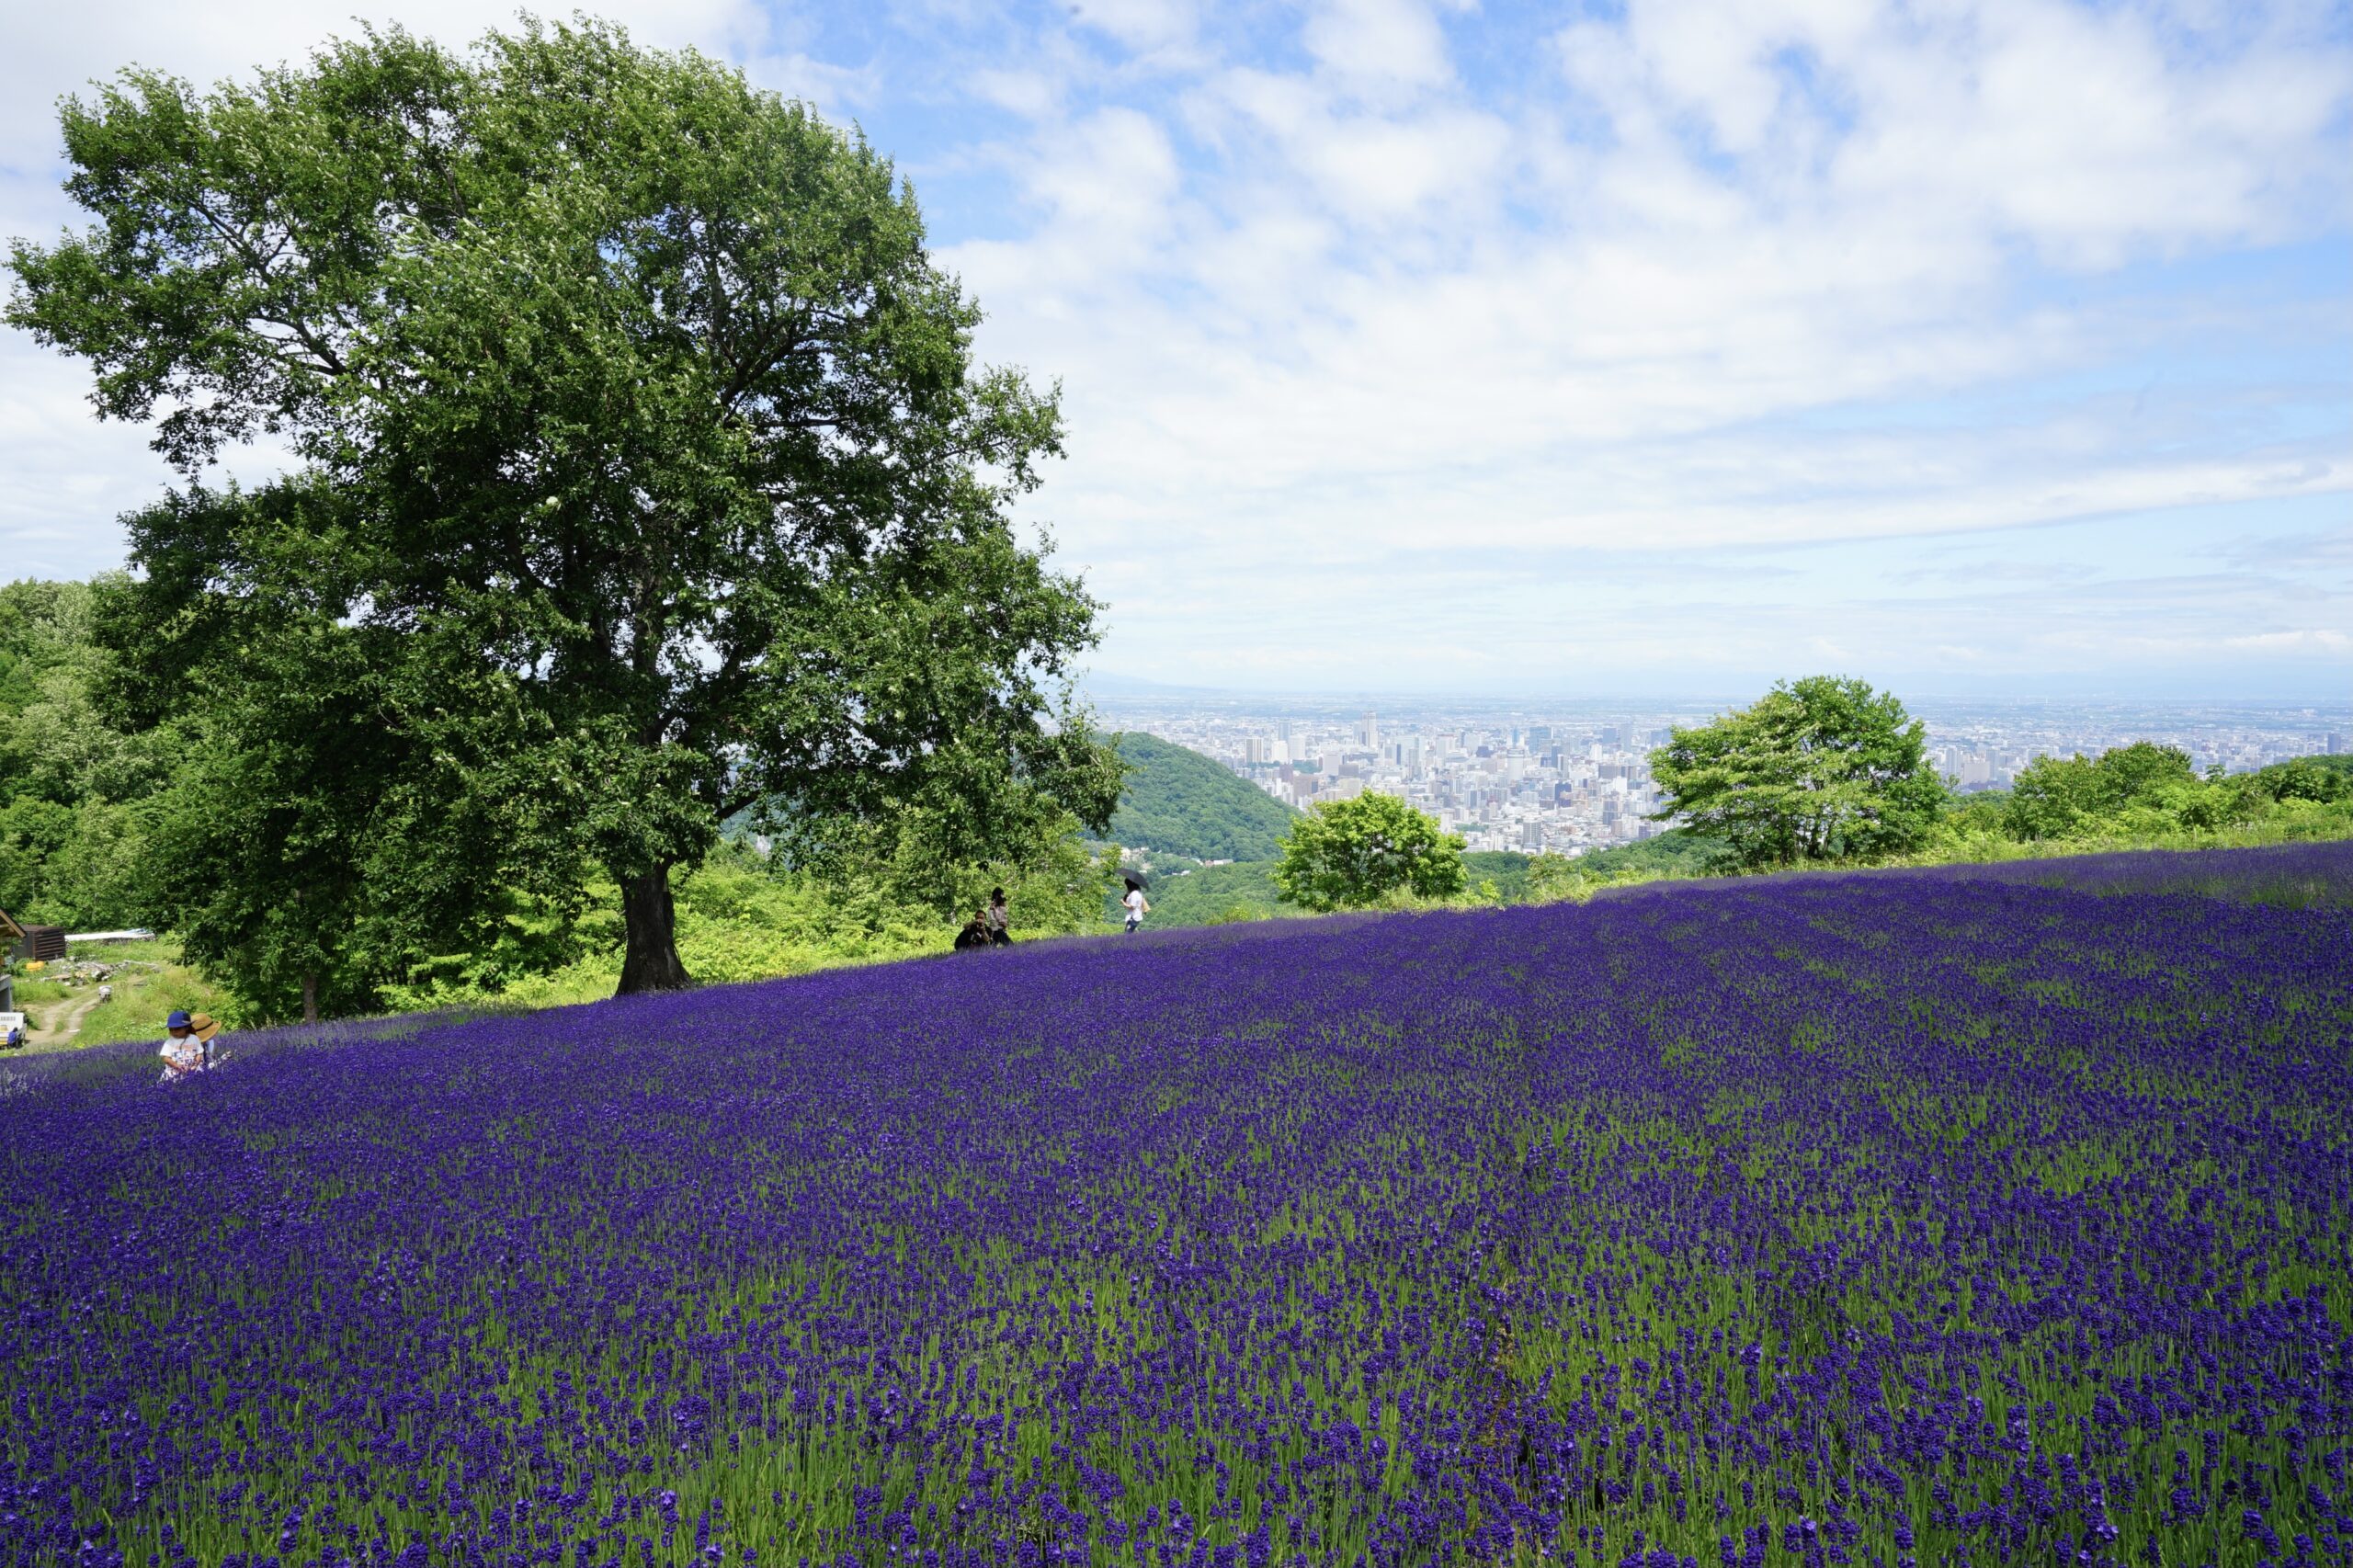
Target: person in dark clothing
x: 975, y: 933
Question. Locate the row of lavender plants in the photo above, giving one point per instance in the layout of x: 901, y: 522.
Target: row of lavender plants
x: 2292, y: 876
x: 1890, y: 1221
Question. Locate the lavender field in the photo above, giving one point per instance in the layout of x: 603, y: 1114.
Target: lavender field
x: 1885, y: 1219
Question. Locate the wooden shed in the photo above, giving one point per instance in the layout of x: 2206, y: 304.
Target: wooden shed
x: 33, y: 943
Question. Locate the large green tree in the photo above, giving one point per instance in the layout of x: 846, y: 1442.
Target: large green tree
x: 638, y: 402
x: 1348, y: 854
x: 1821, y: 769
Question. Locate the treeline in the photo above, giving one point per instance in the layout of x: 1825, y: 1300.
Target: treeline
x: 1821, y: 771
x: 101, y: 821
x: 76, y: 790
x: 2146, y: 790
x: 1826, y: 770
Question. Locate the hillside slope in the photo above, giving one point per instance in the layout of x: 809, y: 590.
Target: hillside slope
x: 926, y: 1192
x: 1179, y: 802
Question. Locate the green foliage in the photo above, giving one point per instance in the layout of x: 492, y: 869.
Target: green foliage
x: 2324, y: 779
x: 1676, y: 852
x: 1350, y: 854
x: 71, y: 842
x: 631, y: 403
x: 1821, y: 769
x: 1979, y: 812
x: 1213, y: 895
x: 1055, y: 883
x: 1180, y: 803
x: 1551, y: 878
x: 743, y: 917
x: 1497, y: 875
x: 2141, y: 785
x: 2148, y: 792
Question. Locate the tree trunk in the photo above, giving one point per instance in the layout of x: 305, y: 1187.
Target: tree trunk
x: 310, y: 995
x: 651, y: 961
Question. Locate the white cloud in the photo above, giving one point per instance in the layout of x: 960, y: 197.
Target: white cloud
x: 2321, y: 639
x: 56, y: 50
x: 1139, y: 24
x: 1378, y: 46
x: 1719, y: 274
x: 1589, y: 318
x: 65, y: 477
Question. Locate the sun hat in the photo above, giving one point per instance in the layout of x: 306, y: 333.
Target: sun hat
x: 176, y: 1021
x: 203, y: 1025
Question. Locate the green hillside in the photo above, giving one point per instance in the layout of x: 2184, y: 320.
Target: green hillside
x: 1179, y: 802
x: 1674, y: 852
x: 1210, y: 894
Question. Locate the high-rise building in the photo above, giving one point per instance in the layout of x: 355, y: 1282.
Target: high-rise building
x: 1254, y: 750
x: 1369, y: 733
x: 2339, y: 746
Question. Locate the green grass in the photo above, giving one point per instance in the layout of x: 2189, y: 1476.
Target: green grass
x: 142, y: 998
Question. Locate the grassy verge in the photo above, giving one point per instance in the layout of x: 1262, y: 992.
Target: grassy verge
x: 149, y: 983
x: 736, y: 925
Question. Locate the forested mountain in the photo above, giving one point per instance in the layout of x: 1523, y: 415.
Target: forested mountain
x: 1179, y: 802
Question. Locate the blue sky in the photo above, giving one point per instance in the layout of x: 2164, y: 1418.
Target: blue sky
x: 1999, y: 348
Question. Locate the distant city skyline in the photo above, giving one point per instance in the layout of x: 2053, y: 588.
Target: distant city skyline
x: 2003, y: 347
x: 1568, y: 778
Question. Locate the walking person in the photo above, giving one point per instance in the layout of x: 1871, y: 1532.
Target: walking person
x: 999, y: 918
x: 1136, y: 904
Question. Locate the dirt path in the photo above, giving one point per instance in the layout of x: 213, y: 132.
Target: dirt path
x: 62, y: 1034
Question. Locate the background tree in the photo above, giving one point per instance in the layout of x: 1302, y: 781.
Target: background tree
x: 1348, y: 853
x: 2063, y: 797
x: 641, y: 401
x: 72, y: 781
x: 1821, y: 769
